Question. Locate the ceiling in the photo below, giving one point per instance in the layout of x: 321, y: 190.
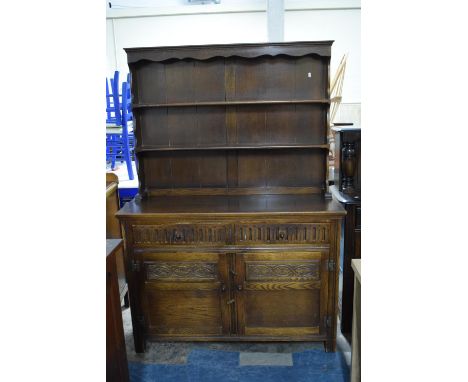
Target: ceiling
x: 119, y: 4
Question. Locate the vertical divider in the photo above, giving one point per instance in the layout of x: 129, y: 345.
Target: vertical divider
x: 232, y: 307
x: 238, y: 288
x: 231, y: 122
x: 327, y: 123
x: 224, y: 265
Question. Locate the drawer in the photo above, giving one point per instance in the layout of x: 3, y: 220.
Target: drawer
x: 180, y: 234
x: 307, y: 233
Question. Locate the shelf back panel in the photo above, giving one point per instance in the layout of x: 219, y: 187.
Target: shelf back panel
x: 232, y: 125
x: 232, y: 79
x: 234, y: 169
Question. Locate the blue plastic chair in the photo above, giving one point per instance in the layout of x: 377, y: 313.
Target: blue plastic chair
x: 109, y: 105
x: 119, y: 138
x: 113, y: 120
x: 113, y: 115
x: 131, y: 136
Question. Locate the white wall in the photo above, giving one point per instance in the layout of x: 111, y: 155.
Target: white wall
x: 343, y: 26
x: 184, y: 30
x: 240, y: 22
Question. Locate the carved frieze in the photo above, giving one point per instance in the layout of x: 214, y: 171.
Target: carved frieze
x: 181, y: 271
x: 275, y: 271
x: 179, y: 234
x: 287, y: 233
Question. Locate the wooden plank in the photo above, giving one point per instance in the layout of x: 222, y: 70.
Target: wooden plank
x: 231, y: 103
x: 267, y: 286
x: 236, y: 191
x: 279, y: 331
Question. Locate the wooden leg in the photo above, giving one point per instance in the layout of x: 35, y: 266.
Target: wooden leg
x: 126, y: 300
x: 138, y: 335
x: 330, y: 346
x: 140, y: 343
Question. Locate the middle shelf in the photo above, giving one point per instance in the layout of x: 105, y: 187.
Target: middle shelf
x: 232, y: 103
x: 230, y: 147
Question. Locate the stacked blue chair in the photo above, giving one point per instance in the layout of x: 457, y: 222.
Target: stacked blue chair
x: 131, y: 135
x: 119, y: 130
x: 113, y: 120
x: 113, y: 116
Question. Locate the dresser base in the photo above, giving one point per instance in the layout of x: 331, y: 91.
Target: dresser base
x: 246, y: 269
x: 329, y: 345
x: 236, y: 339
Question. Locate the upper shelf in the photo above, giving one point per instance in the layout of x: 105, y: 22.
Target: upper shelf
x: 231, y: 103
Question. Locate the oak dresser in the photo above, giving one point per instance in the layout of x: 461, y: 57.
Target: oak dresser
x: 232, y: 236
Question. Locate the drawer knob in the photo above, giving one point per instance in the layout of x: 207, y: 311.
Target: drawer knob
x: 223, y: 288
x: 282, y: 235
x: 178, y: 235
x: 239, y: 287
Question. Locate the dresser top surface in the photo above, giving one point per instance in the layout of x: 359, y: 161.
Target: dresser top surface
x: 230, y: 204
x: 238, y: 45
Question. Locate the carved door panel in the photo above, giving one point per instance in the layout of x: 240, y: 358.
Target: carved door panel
x: 281, y: 294
x: 185, y: 295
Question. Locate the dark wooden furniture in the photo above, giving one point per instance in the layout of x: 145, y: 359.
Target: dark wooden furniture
x: 356, y: 333
x: 114, y: 231
x: 347, y: 174
x: 116, y: 356
x: 231, y: 237
x: 347, y: 190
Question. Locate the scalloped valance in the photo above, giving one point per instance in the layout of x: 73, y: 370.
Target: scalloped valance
x: 206, y: 52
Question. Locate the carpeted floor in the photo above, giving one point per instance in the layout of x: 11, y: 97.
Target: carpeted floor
x: 210, y: 362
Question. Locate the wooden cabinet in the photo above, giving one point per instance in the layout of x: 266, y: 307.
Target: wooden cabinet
x: 281, y: 294
x: 347, y: 190
x: 269, y: 280
x: 116, y: 356
x: 352, y: 250
x: 113, y: 231
x: 232, y: 236
x: 264, y: 294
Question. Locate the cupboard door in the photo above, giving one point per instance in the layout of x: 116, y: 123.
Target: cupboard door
x: 281, y: 294
x: 185, y: 295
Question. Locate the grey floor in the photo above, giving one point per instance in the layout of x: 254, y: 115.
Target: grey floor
x: 252, y: 353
